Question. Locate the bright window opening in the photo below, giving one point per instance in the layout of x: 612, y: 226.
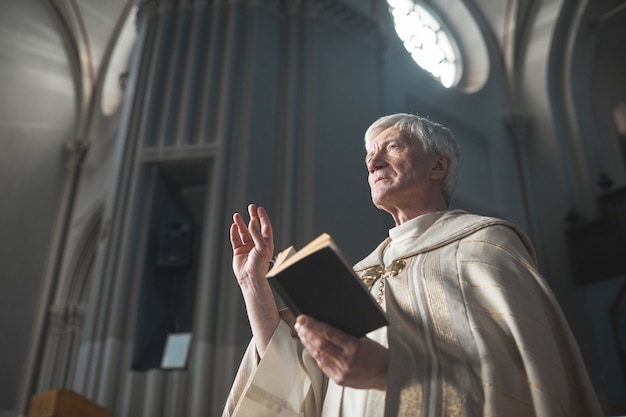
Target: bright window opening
x: 426, y: 40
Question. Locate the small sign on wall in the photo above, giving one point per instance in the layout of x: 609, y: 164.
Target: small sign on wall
x: 176, y: 352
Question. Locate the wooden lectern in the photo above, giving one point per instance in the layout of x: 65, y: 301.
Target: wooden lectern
x: 64, y: 403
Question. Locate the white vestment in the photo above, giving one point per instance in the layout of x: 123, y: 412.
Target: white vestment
x: 474, y: 331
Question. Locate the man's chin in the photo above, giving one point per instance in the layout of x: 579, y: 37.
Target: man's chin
x: 379, y: 201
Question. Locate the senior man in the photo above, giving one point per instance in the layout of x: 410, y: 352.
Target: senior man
x: 474, y: 330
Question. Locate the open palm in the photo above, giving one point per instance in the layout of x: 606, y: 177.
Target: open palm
x: 253, y: 245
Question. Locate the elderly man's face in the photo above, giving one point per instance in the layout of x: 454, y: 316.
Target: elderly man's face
x: 399, y: 171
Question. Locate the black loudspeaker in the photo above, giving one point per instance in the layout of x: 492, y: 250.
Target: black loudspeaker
x: 175, y: 244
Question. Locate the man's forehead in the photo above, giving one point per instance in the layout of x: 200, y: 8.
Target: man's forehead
x: 391, y: 133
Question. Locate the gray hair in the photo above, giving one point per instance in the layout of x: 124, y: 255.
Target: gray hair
x: 434, y: 138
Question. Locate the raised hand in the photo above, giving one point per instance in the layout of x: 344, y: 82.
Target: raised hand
x: 347, y: 361
x: 253, y: 246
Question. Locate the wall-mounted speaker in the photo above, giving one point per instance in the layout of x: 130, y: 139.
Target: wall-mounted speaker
x: 175, y: 244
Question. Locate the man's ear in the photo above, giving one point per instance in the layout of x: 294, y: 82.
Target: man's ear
x: 441, y: 167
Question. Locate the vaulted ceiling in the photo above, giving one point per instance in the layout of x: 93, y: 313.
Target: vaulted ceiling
x: 91, y: 40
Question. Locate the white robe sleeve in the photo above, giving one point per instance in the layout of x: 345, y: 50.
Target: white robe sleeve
x: 285, y: 383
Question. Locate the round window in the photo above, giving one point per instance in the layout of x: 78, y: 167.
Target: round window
x: 424, y: 37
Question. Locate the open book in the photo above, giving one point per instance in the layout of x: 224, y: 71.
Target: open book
x: 318, y: 281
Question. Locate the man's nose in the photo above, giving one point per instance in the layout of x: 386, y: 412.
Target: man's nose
x: 375, y: 162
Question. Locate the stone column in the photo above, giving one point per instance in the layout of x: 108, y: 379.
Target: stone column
x: 191, y: 100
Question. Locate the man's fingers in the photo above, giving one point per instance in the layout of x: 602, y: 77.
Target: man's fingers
x: 321, y: 339
x: 323, y: 350
x: 239, y: 233
x: 266, y: 225
x: 260, y: 228
x: 325, y: 330
x: 235, y: 242
x: 258, y: 231
x: 254, y: 227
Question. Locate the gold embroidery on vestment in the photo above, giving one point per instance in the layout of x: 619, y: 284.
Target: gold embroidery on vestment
x: 371, y: 275
x: 453, y: 397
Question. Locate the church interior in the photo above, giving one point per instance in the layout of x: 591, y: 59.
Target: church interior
x: 132, y: 130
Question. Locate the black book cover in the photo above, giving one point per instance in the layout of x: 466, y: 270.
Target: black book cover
x: 322, y: 286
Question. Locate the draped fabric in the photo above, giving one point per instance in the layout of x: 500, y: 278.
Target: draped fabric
x: 474, y: 331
